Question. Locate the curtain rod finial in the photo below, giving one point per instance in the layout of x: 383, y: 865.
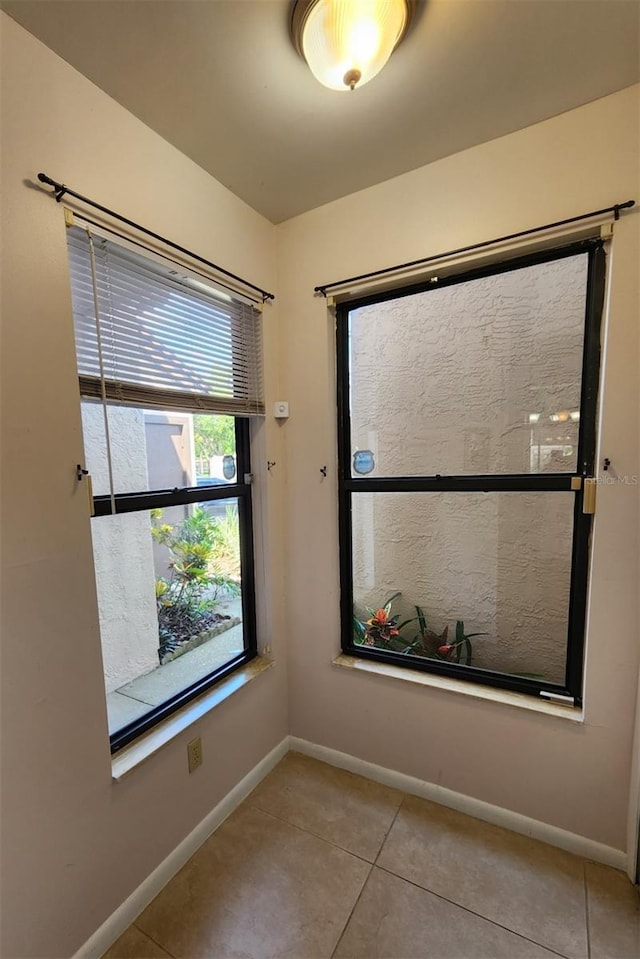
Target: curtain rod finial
x: 59, y: 189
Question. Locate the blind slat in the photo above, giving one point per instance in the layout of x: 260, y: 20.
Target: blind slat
x: 149, y: 397
x: 163, y: 343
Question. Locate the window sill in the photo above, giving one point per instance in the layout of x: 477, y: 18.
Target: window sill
x: 129, y: 758
x: 475, y: 691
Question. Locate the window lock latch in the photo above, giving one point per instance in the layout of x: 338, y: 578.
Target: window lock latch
x: 589, y: 495
x: 558, y: 698
x: 80, y: 475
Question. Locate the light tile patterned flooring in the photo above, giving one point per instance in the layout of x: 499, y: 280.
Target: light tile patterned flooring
x: 318, y: 862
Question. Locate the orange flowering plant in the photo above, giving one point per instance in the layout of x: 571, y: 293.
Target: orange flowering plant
x: 381, y: 629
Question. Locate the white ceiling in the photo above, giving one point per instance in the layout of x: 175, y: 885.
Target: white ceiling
x: 220, y: 80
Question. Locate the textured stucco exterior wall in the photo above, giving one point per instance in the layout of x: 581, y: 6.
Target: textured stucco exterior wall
x: 445, y: 382
x: 122, y: 547
x: 500, y: 562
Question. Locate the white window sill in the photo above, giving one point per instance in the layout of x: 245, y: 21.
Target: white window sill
x: 129, y: 758
x: 474, y: 690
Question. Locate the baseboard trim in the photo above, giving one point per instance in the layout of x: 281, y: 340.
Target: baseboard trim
x: 497, y: 815
x: 113, y: 927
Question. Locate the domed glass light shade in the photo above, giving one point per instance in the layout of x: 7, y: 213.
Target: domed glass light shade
x: 347, y: 42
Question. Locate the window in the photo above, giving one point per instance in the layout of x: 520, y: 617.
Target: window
x: 467, y: 410
x: 170, y: 371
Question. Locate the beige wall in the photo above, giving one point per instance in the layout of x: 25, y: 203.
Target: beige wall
x: 75, y: 844
x: 572, y: 776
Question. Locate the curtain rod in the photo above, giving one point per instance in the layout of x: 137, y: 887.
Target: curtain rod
x: 59, y: 190
x: 615, y: 209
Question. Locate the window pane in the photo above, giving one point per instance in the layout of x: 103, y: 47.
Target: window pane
x: 475, y: 378
x: 153, y: 450
x: 499, y: 564
x: 169, y: 599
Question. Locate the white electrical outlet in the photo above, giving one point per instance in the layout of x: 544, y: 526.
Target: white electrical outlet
x: 194, y: 753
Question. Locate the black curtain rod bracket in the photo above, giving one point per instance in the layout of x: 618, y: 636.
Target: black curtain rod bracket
x: 423, y: 261
x: 60, y: 190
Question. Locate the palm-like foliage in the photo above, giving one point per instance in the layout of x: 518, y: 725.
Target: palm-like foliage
x: 199, y: 570
x: 382, y: 631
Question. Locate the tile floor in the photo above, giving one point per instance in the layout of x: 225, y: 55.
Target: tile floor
x: 318, y: 862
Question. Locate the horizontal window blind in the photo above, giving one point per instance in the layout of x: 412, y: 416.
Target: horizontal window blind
x: 160, y: 338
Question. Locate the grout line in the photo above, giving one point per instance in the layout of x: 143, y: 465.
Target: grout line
x: 478, y: 915
x: 586, y: 908
x: 154, y: 941
x: 335, y: 846
x: 348, y: 920
x: 309, y: 832
x: 386, y: 835
x: 344, y: 928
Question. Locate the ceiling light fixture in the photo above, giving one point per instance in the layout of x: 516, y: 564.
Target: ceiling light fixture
x: 347, y: 42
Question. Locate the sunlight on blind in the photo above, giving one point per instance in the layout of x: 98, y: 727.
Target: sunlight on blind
x: 167, y: 340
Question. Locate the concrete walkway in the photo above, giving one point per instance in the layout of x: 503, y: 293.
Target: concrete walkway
x: 137, y: 697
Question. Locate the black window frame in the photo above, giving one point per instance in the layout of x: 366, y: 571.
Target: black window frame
x: 348, y: 485
x: 240, y: 491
